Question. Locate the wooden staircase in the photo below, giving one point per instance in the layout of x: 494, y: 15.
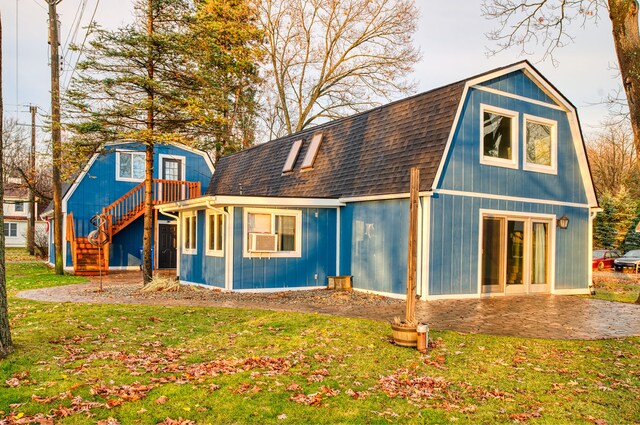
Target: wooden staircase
x: 86, y: 261
x: 119, y: 214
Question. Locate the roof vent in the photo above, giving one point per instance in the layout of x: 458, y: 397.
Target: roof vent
x: 293, y: 155
x: 312, y: 152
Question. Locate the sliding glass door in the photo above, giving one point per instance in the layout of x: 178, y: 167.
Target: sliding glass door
x: 516, y: 254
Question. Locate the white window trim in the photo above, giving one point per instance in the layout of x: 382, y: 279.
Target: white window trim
x: 182, y: 159
x: 127, y: 179
x: 189, y: 216
x: 273, y: 212
x: 529, y: 218
x: 553, y: 168
x: 9, y: 223
x: 499, y: 162
x: 214, y: 252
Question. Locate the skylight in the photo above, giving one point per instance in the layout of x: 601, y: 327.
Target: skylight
x: 293, y: 155
x: 312, y: 152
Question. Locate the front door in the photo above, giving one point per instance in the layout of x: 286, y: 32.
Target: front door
x: 171, y: 169
x: 166, y: 246
x: 516, y: 255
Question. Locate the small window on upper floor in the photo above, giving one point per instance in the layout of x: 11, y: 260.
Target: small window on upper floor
x: 312, y: 151
x: 499, y: 137
x: 130, y: 166
x: 293, y: 155
x: 540, y: 145
x: 19, y: 207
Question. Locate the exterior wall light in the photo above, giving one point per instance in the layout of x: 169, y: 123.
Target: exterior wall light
x: 563, y: 222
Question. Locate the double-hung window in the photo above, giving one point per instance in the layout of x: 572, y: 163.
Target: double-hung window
x: 130, y: 166
x: 540, y: 145
x: 499, y: 137
x: 19, y: 207
x: 277, y: 233
x: 215, y: 234
x: 190, y: 232
x: 10, y: 230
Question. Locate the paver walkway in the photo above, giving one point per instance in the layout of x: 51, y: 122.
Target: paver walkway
x: 538, y: 316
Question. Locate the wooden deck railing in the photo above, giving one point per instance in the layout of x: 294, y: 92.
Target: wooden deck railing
x: 131, y: 205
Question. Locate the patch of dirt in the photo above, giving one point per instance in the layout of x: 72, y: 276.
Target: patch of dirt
x: 320, y: 297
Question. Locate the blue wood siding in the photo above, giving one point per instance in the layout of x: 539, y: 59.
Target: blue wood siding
x: 100, y: 188
x: 463, y: 171
x: 318, y: 255
x: 454, y: 243
x: 201, y: 268
x: 373, y: 245
x: 518, y: 83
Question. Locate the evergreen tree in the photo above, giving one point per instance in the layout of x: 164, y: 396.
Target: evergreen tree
x: 604, y: 232
x: 162, y: 79
x: 632, y: 238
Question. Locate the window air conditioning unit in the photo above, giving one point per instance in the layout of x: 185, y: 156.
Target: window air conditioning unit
x: 263, y: 242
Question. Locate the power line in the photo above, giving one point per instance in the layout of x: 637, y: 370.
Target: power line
x: 84, y: 41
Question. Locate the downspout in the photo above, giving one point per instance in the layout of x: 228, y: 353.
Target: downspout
x: 178, y: 241
x: 592, y: 216
x: 228, y: 257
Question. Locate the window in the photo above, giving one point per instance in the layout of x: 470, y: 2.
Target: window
x: 10, y: 230
x: 540, y: 145
x: 215, y: 232
x: 189, y: 232
x: 293, y: 155
x: 285, y: 227
x: 499, y: 137
x: 19, y: 207
x: 130, y: 166
x: 312, y: 151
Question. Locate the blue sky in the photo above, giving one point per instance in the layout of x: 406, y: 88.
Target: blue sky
x: 450, y: 35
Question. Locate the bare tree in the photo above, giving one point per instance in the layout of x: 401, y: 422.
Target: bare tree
x: 328, y: 58
x: 548, y: 23
x: 613, y: 160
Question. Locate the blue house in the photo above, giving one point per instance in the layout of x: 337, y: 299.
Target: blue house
x: 506, y: 198
x: 112, y: 184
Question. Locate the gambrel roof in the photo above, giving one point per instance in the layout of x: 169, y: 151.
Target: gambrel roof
x: 371, y: 153
x: 364, y: 154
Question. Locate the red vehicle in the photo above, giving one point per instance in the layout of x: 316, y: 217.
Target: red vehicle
x: 604, y: 258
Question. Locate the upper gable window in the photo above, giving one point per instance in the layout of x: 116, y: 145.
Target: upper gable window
x: 130, y: 166
x: 540, y: 145
x: 499, y: 137
x: 19, y: 207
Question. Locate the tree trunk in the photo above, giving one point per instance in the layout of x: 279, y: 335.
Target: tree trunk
x: 6, y: 346
x: 56, y: 137
x: 626, y: 38
x: 147, y: 267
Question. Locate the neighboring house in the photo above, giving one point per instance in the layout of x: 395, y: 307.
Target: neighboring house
x: 112, y: 183
x: 501, y: 158
x: 16, y: 215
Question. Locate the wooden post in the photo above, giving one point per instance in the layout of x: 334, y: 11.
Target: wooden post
x: 31, y: 224
x: 414, y: 191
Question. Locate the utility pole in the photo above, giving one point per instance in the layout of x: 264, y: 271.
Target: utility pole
x: 31, y: 225
x: 56, y: 137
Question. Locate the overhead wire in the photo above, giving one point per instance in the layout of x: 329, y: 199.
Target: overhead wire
x: 74, y: 28
x: 84, y: 41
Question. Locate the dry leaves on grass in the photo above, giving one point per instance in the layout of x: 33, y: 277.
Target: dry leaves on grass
x: 179, y: 421
x: 525, y: 416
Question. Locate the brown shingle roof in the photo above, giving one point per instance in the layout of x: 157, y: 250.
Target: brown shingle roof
x: 370, y: 153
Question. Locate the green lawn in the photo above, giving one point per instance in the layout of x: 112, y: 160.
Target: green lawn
x: 614, y: 286
x: 140, y: 364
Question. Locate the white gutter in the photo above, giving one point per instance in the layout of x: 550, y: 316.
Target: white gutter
x: 206, y: 201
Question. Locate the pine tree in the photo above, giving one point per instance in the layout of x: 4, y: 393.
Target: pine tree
x: 160, y: 79
x: 604, y: 232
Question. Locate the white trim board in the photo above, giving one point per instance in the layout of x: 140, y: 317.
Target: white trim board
x: 281, y: 289
x: 510, y: 198
x: 202, y: 285
x: 518, y: 97
x: 571, y: 291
